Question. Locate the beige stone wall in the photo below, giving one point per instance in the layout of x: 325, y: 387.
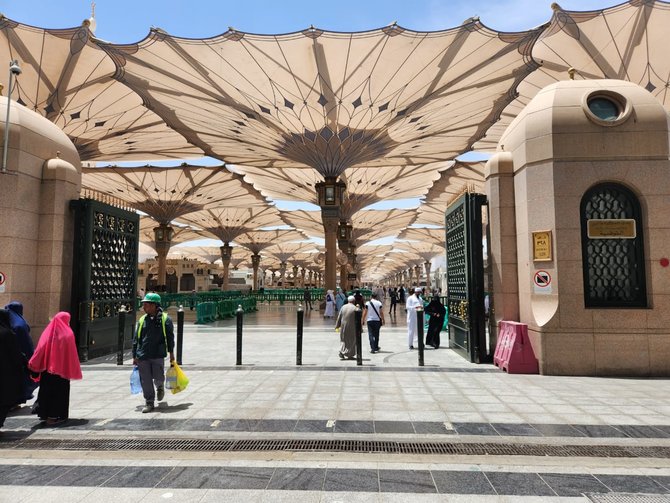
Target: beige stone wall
x: 35, y: 222
x: 558, y: 154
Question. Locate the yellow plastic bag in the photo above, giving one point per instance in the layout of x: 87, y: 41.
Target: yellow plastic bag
x: 181, y: 380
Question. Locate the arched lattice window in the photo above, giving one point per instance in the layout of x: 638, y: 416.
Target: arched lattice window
x: 612, y: 248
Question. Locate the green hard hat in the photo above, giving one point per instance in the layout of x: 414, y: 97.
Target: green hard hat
x: 152, y: 297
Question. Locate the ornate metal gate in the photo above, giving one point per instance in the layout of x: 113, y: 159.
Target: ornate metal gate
x: 465, y: 278
x: 104, y: 275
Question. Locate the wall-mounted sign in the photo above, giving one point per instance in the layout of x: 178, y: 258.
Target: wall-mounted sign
x: 3, y: 280
x: 541, y: 246
x: 542, y: 282
x: 621, y: 228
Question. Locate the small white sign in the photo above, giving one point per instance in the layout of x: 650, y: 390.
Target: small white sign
x: 3, y: 281
x: 542, y: 282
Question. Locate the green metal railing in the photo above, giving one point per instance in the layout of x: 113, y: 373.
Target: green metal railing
x: 208, y: 312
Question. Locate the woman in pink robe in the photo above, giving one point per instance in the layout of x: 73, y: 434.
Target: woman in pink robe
x: 57, y: 362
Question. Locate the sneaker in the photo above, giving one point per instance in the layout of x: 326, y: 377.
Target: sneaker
x: 160, y: 393
x: 411, y: 347
x: 148, y: 408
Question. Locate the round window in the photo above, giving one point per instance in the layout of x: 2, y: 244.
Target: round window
x: 604, y: 108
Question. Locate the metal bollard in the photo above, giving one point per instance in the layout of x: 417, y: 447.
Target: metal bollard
x: 419, y: 326
x: 122, y: 335
x: 359, y: 341
x: 240, y: 317
x: 180, y: 333
x: 298, y: 352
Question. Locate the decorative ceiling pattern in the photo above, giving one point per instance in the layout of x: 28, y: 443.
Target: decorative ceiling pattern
x: 453, y: 181
x: 69, y: 80
x: 228, y: 223
x: 169, y: 193
x: 257, y: 241
x: 328, y: 100
x: 180, y: 233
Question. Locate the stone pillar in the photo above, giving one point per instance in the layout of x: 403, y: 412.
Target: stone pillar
x: 162, y: 243
x: 311, y: 278
x: 499, y: 176
x: 302, y: 276
x: 295, y: 275
x: 426, y: 266
x: 330, y: 217
x: 255, y: 263
x: 226, y: 254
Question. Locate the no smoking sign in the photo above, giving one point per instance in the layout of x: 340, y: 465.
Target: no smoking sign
x: 3, y: 280
x: 542, y: 282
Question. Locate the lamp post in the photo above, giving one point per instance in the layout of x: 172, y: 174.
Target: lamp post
x: 14, y: 69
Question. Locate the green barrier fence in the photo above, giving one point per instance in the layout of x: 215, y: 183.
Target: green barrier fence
x: 208, y: 312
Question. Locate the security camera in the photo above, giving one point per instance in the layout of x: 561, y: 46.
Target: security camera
x: 14, y: 68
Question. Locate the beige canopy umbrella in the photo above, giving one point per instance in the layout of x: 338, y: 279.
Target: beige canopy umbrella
x: 257, y: 241
x: 169, y: 193
x: 180, y: 234
x: 284, y: 252
x: 210, y: 254
x: 227, y: 223
x: 69, y: 80
x: 329, y: 101
x: 461, y: 177
x: 426, y: 234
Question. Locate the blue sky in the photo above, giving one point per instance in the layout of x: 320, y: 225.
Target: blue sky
x: 124, y: 21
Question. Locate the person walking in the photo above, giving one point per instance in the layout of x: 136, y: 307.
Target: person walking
x: 329, y: 311
x: 436, y: 311
x: 153, y: 340
x: 358, y: 298
x: 340, y: 300
x: 413, y: 303
x: 307, y: 298
x: 22, y: 331
x: 346, y: 322
x: 373, y: 314
x: 393, y: 297
x: 12, y: 367
x: 56, y: 361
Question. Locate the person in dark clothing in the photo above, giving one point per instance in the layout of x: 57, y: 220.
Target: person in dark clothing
x: 12, y: 367
x: 437, y: 312
x: 22, y: 331
x: 358, y: 298
x: 393, y: 295
x: 307, y: 297
x: 57, y: 362
x: 401, y: 295
x: 153, y: 340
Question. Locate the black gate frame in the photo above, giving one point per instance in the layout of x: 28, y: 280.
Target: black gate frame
x: 465, y: 278
x: 104, y: 276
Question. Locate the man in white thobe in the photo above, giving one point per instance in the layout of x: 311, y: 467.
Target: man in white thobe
x: 413, y: 303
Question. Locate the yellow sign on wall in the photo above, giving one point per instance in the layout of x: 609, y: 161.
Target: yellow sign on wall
x: 541, y: 246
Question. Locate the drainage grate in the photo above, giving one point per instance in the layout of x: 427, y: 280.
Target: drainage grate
x: 340, y: 445
x: 627, y: 498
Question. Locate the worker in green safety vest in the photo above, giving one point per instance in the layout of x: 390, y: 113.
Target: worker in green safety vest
x: 153, y: 341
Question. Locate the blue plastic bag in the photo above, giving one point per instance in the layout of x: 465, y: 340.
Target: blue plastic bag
x: 135, y: 384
